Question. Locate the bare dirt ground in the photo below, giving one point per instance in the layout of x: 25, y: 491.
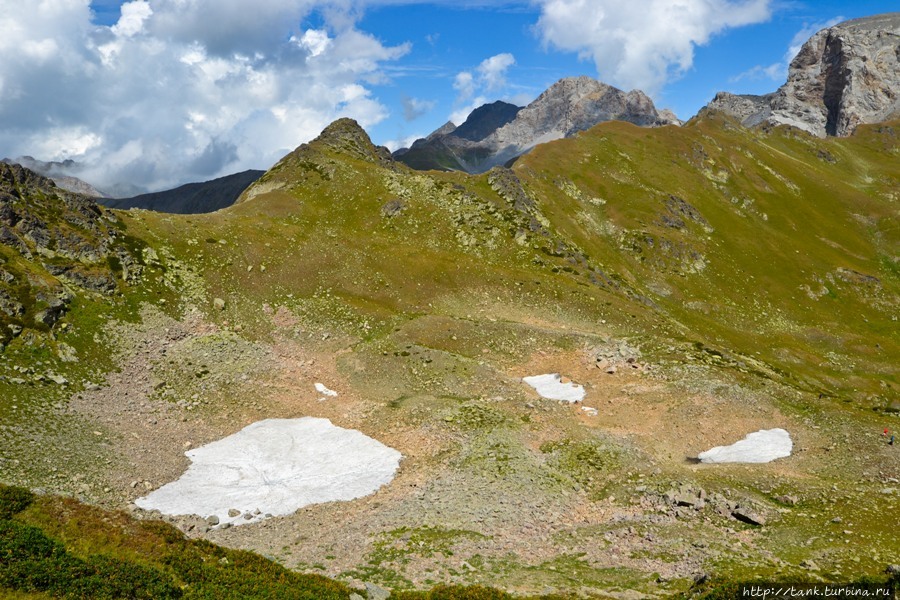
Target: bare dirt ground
x: 469, y: 503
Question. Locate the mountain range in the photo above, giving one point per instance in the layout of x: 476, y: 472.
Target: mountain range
x: 191, y: 198
x: 698, y: 284
x: 500, y: 132
x: 843, y: 76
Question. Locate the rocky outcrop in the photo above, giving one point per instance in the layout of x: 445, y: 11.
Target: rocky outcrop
x: 192, y: 198
x: 497, y: 133
x: 843, y: 76
x: 53, y: 241
x: 348, y: 138
x: 749, y: 109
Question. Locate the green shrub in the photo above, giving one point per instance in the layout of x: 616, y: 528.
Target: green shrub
x: 32, y: 562
x: 470, y: 592
x: 13, y: 500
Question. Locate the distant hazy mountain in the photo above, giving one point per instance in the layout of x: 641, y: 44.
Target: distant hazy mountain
x: 57, y: 172
x: 192, y: 198
x: 496, y: 133
x: 843, y: 76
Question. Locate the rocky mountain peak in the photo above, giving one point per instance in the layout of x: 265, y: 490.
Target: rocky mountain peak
x: 843, y: 76
x: 497, y: 133
x: 445, y: 129
x: 347, y: 136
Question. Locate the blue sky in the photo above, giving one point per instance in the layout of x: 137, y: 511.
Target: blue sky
x: 160, y: 92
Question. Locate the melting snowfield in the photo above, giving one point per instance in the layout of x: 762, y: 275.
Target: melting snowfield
x: 274, y: 467
x: 760, y: 447
x: 550, y: 386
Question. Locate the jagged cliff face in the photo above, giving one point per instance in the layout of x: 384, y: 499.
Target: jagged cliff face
x: 567, y: 107
x: 844, y: 76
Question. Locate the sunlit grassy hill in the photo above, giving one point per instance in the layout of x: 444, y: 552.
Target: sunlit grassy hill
x: 701, y: 282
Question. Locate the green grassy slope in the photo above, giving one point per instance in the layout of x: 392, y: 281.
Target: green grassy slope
x: 768, y: 246
x: 754, y: 274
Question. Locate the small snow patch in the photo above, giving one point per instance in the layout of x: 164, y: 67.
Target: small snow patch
x: 550, y: 386
x: 274, y: 467
x: 591, y: 412
x: 759, y: 447
x: 325, y: 391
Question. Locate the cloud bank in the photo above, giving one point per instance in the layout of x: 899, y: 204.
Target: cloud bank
x: 641, y: 44
x: 180, y: 90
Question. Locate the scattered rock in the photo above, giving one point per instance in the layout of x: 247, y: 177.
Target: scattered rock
x: 57, y: 379
x: 692, y: 501
x: 219, y: 304
x: 392, y: 208
x: 374, y: 592
x: 809, y: 565
x: 748, y: 515
x: 212, y: 520
x: 233, y: 512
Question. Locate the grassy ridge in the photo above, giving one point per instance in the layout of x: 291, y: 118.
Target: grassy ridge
x: 63, y: 548
x: 58, y: 548
x: 771, y: 244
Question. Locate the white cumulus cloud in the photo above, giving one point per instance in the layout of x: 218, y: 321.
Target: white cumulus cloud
x: 180, y: 90
x: 641, y: 44
x: 493, y: 70
x: 472, y: 89
x: 133, y: 16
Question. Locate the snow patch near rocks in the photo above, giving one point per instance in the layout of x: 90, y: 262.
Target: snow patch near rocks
x: 550, y: 386
x: 320, y: 387
x: 274, y: 467
x: 759, y: 447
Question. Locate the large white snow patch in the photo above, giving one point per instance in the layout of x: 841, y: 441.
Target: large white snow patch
x: 759, y: 447
x: 274, y: 467
x: 551, y: 386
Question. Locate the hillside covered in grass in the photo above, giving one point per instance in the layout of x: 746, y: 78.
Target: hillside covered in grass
x: 700, y: 283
